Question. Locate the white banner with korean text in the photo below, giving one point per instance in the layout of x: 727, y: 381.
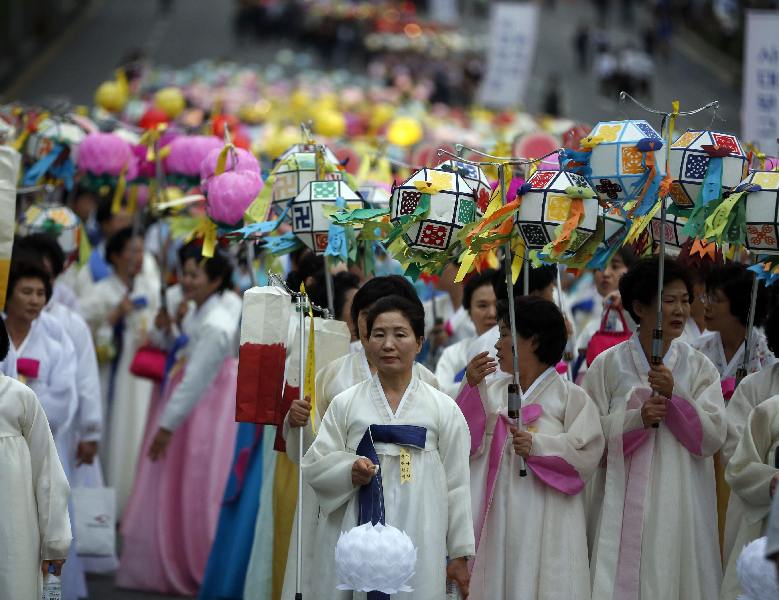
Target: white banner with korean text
x: 760, y: 94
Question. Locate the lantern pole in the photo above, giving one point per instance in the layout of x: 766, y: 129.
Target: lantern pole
x: 568, y: 355
x: 742, y: 370
x: 320, y: 175
x: 161, y: 186
x: 299, y: 520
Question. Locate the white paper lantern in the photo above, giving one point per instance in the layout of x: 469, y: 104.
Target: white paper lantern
x: 58, y: 221
x: 762, y: 212
x: 546, y: 206
x: 49, y: 133
x: 452, y: 207
x: 616, y: 162
x: 689, y: 159
x: 674, y: 238
x: 296, y: 168
x: 757, y: 573
x: 309, y: 221
x: 474, y: 176
x: 309, y: 149
x: 615, y: 226
x: 375, y: 557
x: 375, y: 195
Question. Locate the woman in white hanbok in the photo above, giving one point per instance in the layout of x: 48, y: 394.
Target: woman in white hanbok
x: 530, y: 531
x: 120, y: 310
x: 654, y: 511
x: 33, y: 491
x: 480, y: 302
x: 430, y: 498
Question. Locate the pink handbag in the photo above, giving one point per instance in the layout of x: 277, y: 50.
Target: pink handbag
x: 149, y: 363
x: 603, y: 339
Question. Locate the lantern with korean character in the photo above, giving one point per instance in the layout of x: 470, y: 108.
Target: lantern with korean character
x: 699, y: 155
x: 557, y: 201
x: 297, y: 167
x: 624, y: 154
x: 762, y: 212
x: 311, y: 208
x: 474, y: 176
x: 451, y: 202
x: 674, y: 226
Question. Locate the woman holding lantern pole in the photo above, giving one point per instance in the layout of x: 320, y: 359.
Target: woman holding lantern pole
x: 656, y: 530
x: 398, y: 432
x: 531, y: 531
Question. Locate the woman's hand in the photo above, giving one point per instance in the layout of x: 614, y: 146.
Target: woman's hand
x: 522, y: 441
x: 299, y: 411
x: 480, y: 366
x: 661, y: 380
x: 159, y: 444
x: 653, y: 411
x: 615, y: 299
x: 85, y: 453
x: 57, y: 564
x: 457, y: 571
x: 363, y: 471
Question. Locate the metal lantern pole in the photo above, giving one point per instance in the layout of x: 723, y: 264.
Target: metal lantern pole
x: 742, y: 370
x: 161, y: 186
x: 568, y: 356
x: 299, y: 520
x: 250, y: 260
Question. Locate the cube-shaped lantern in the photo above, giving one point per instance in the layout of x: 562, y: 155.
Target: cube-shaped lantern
x: 689, y: 159
x: 762, y: 213
x: 616, y: 161
x: 291, y: 177
x: 452, y: 207
x: 310, y: 223
x: 547, y: 205
x: 474, y: 176
x: 674, y: 238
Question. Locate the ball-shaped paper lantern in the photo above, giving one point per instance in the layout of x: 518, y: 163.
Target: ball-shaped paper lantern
x: 762, y: 216
x: 475, y: 178
x: 238, y: 159
x: 111, y: 96
x: 171, y: 101
x: 689, y: 160
x: 187, y: 153
x: 49, y: 133
x: 152, y: 117
x: 329, y: 123
x: 375, y: 557
x: 452, y: 207
x: 404, y: 131
x: 297, y: 168
x: 375, y: 195
x: 617, y: 159
x: 675, y: 238
x: 229, y: 195
x: 57, y: 221
x: 547, y: 204
x: 309, y: 221
x: 106, y: 154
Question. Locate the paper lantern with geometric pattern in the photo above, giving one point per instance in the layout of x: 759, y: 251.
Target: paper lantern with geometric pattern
x: 295, y: 170
x: 546, y: 206
x: 615, y: 226
x: 58, y: 221
x: 689, y: 159
x: 452, y: 207
x: 674, y: 238
x: 310, y: 223
x: 474, y: 176
x: 375, y: 195
x: 617, y: 163
x: 49, y: 133
x: 762, y: 213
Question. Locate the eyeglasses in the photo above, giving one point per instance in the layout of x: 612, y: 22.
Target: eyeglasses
x: 709, y: 299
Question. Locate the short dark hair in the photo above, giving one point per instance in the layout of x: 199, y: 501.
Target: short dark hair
x: 343, y: 281
x: 216, y: 267
x: 377, y: 288
x: 539, y: 279
x: 540, y: 319
x: 413, y: 311
x: 474, y: 282
x: 639, y: 284
x: 628, y: 255
x: 5, y: 343
x: 24, y: 266
x: 735, y: 281
x: 118, y: 242
x: 772, y: 330
x: 46, y: 246
x: 104, y: 210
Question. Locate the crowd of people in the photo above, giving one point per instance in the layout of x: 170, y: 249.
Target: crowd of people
x: 644, y: 478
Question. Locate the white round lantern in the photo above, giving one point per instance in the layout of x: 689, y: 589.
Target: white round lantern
x: 452, y: 207
x: 616, y: 161
x: 615, y: 225
x: 762, y: 212
x: 674, y: 238
x: 309, y: 149
x: 375, y: 558
x: 547, y: 205
x: 689, y: 159
x: 375, y: 195
x: 290, y: 178
x: 474, y: 176
x: 58, y: 221
x: 49, y: 133
x: 310, y: 223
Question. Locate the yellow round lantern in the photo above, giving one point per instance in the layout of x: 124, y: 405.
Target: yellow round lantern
x: 329, y: 123
x: 171, y: 101
x: 380, y: 115
x: 404, y: 131
x: 111, y: 96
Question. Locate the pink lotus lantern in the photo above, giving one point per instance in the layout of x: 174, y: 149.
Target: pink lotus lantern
x: 230, y: 194
x: 188, y: 152
x: 238, y: 159
x: 106, y: 154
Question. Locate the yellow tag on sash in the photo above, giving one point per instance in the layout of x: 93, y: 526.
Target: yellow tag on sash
x: 405, y: 465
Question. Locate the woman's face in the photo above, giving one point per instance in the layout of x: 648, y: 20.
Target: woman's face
x: 129, y: 261
x: 717, y: 315
x: 483, y: 308
x: 676, y: 309
x: 392, y: 345
x: 27, y: 299
x: 607, y: 280
x: 195, y: 282
x: 526, y: 349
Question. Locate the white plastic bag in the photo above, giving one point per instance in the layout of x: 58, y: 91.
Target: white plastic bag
x: 94, y: 520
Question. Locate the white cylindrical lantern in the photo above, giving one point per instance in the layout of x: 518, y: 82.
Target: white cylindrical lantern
x: 762, y: 212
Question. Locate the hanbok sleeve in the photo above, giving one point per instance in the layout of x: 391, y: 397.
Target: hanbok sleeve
x: 60, y: 400
x: 597, y: 385
x: 203, y: 365
x: 565, y: 461
x: 737, y: 412
x: 445, y: 372
x: 327, y: 466
x: 90, y: 408
x: 49, y: 482
x: 747, y: 473
x: 473, y: 408
x: 453, y: 444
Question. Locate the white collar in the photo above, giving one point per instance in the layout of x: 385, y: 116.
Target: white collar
x: 533, y: 386
x: 383, y: 396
